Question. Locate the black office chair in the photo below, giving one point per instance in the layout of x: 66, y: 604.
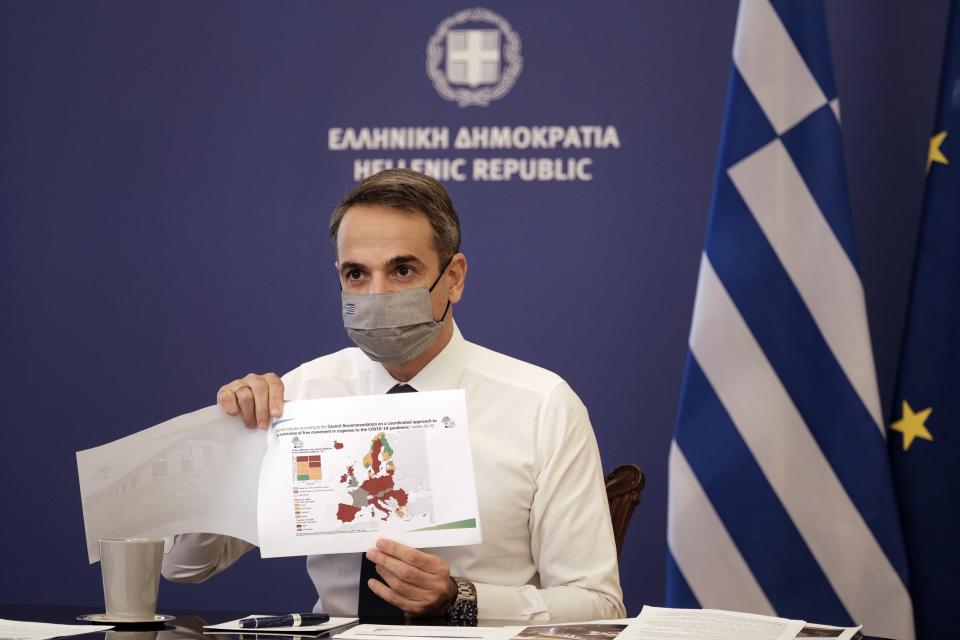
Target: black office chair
x: 624, y: 484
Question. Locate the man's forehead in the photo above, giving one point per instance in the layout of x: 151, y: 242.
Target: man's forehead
x: 379, y: 234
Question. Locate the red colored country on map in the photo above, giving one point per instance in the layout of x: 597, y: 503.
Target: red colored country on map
x: 375, y: 454
x: 397, y: 494
x: 337, y: 445
x: 381, y: 489
x: 373, y: 486
x: 347, y: 512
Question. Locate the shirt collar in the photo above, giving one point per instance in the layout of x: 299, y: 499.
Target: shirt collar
x: 442, y: 373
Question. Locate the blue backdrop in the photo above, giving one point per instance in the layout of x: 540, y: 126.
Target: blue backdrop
x: 166, y: 177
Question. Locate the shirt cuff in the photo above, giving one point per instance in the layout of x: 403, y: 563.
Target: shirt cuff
x: 499, y: 602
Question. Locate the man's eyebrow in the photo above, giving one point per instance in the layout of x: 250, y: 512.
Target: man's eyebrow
x: 408, y: 259
x: 350, y: 266
x: 392, y: 262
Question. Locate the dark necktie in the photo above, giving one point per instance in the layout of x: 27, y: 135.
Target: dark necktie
x: 370, y: 605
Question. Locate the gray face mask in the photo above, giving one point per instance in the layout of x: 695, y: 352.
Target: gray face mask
x: 392, y: 327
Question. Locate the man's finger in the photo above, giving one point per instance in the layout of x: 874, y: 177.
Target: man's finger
x: 389, y: 595
x: 411, y: 556
x: 227, y: 399
x: 406, y: 572
x: 275, y: 386
x: 261, y: 399
x: 401, y: 588
x: 245, y: 400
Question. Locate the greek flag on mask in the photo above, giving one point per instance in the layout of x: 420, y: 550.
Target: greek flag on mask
x: 781, y: 500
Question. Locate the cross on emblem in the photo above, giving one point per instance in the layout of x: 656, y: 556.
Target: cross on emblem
x: 476, y: 65
x: 473, y: 56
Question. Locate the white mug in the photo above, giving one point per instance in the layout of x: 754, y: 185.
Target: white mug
x: 131, y: 576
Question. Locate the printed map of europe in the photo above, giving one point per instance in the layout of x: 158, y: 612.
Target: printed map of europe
x: 387, y: 484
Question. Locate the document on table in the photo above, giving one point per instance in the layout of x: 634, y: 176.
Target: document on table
x: 340, y: 473
x: 195, y: 473
x: 596, y: 630
x: 395, y: 632
x: 329, y: 476
x: 655, y: 623
x: 17, y: 630
x: 233, y: 626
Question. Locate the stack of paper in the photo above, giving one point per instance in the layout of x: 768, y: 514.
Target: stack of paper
x: 655, y: 623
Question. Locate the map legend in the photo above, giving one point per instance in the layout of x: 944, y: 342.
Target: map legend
x: 308, y: 468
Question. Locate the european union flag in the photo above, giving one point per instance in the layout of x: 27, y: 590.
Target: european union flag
x: 781, y: 499
x: 925, y: 434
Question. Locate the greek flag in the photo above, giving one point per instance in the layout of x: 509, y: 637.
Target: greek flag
x: 781, y: 500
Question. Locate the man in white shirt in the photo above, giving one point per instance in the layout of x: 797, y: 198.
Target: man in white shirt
x: 548, y: 551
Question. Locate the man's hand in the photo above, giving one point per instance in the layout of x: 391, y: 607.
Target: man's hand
x: 418, y: 583
x: 257, y: 397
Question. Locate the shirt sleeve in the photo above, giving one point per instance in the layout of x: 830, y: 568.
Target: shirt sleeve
x: 194, y: 557
x: 571, y: 533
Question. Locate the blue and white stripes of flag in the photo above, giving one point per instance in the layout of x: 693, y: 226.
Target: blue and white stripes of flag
x: 781, y: 500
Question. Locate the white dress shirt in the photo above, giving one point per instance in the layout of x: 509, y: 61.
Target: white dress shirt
x: 548, y: 550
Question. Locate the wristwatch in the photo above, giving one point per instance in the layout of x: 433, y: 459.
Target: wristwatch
x: 463, y: 611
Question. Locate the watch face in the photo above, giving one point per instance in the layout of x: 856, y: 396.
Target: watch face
x: 464, y: 612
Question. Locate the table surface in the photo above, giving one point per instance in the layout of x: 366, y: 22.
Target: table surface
x: 187, y: 625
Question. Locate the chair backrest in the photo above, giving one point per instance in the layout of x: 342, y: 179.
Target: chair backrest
x: 624, y: 484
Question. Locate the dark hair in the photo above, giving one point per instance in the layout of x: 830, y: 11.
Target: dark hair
x: 410, y: 191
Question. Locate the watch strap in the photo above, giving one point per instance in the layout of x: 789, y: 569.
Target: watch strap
x: 463, y: 611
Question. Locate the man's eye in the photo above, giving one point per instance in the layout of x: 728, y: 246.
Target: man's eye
x: 354, y: 274
x: 404, y: 270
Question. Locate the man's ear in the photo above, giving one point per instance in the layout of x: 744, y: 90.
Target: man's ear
x: 456, y: 277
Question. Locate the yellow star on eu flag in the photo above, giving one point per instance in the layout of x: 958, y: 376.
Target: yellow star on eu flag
x: 911, y: 425
x: 935, y: 155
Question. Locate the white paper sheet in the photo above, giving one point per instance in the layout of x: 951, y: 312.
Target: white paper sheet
x: 201, y: 473
x: 17, y: 630
x: 340, y: 473
x: 197, y: 473
x: 656, y: 623
x: 233, y: 626
x: 395, y: 632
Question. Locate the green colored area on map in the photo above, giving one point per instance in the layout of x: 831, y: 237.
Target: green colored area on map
x: 299, y: 477
x: 459, y: 524
x: 386, y: 446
